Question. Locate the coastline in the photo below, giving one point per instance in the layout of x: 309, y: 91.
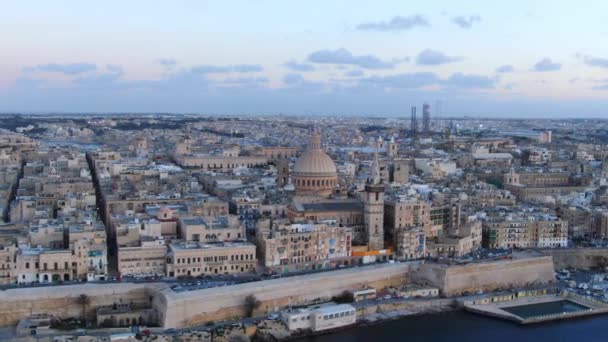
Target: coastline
x: 379, y: 314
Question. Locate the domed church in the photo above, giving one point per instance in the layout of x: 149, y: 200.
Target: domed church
x: 314, y: 172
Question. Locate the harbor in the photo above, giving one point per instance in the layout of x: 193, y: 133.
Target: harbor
x: 537, y: 309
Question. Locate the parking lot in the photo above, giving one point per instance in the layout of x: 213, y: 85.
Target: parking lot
x: 586, y: 283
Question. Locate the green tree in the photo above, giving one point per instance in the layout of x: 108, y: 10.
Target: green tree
x: 84, y: 300
x: 344, y: 297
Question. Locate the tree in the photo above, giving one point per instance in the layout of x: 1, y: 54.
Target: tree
x: 496, y: 181
x: 251, y: 303
x: 344, y: 297
x: 84, y: 300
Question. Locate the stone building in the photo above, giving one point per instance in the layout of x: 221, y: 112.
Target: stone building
x: 219, y: 229
x: 407, y: 212
x: 308, y: 245
x: 410, y: 243
x: 491, y: 198
x: 276, y: 152
x: 125, y: 315
x: 7, y: 264
x: 346, y: 212
x: 456, y: 243
x: 525, y: 231
x: 191, y: 259
x: 148, y: 259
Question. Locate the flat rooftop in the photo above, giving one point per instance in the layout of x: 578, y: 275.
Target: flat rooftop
x: 331, y: 206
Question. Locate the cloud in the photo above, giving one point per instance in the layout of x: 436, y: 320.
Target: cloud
x: 297, y: 85
x: 223, y: 69
x: 424, y: 79
x: 505, y: 68
x: 406, y: 81
x: 596, y: 61
x: 167, y: 62
x: 603, y: 85
x: 67, y: 69
x: 354, y: 73
x: 398, y: 23
x: 245, y: 81
x: 460, y: 80
x: 432, y: 57
x: 181, y: 91
x: 115, y: 69
x: 293, y: 78
x: 343, y: 56
x: 466, y: 22
x: 546, y: 64
x: 302, y: 67
x: 103, y: 80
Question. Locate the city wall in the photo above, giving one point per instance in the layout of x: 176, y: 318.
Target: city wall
x: 63, y: 301
x: 197, y: 307
x: 585, y: 258
x: 200, y: 306
x: 487, y: 276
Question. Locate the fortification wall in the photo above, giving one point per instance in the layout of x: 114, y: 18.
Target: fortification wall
x: 197, y: 307
x: 63, y: 302
x: 189, y: 308
x: 457, y: 279
x: 585, y: 258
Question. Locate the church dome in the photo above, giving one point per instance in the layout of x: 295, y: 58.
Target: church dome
x: 314, y: 162
x: 314, y: 172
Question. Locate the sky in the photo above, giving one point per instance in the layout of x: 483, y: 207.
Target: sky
x: 477, y: 58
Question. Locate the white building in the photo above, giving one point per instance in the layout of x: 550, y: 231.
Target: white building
x: 320, y: 318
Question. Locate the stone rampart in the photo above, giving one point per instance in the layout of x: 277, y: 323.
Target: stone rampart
x: 200, y: 306
x: 63, y: 301
x: 487, y: 276
x: 190, y: 308
x: 585, y: 258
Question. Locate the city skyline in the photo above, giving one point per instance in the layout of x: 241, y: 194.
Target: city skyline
x: 341, y: 58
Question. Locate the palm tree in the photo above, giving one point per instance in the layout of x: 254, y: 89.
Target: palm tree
x: 84, y: 300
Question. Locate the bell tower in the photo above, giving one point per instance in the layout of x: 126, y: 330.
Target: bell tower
x: 374, y: 208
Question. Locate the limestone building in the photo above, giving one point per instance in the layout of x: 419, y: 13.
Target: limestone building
x: 527, y: 230
x: 410, y: 243
x: 309, y: 245
x: 196, y: 259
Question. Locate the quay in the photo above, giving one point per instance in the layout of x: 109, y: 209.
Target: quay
x: 536, y: 308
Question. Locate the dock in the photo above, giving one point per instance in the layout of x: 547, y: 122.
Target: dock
x: 564, y: 305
